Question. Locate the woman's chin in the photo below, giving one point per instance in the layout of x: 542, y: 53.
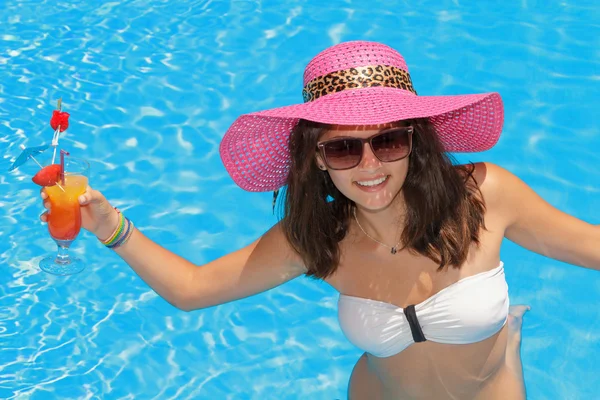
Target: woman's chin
x: 374, y: 202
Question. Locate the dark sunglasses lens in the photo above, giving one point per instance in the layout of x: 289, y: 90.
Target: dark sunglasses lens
x: 392, y: 145
x: 343, y: 153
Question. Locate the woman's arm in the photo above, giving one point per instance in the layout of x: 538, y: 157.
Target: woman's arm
x: 536, y: 225
x: 260, y: 266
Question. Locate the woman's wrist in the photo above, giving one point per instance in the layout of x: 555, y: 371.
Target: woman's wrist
x: 108, y: 229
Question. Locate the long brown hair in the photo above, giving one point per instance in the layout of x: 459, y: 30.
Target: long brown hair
x: 445, y: 208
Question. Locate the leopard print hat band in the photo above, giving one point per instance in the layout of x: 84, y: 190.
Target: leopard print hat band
x: 355, y: 78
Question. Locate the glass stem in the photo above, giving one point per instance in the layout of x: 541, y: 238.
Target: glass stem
x: 62, y: 256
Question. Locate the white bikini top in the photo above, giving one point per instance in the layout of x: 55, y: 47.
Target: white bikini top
x: 467, y: 311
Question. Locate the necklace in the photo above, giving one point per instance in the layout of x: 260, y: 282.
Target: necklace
x: 394, y: 249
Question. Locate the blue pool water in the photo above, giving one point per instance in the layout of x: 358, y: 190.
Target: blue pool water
x: 153, y: 85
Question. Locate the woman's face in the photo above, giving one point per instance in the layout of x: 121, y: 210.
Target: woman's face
x: 356, y: 183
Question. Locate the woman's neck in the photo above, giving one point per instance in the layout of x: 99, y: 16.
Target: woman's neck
x: 384, y: 224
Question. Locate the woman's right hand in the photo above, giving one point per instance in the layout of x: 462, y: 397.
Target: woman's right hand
x: 97, y: 215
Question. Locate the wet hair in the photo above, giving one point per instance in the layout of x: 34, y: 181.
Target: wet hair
x: 445, y: 208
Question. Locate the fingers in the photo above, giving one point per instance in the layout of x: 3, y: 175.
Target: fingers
x: 86, y: 197
x: 44, y: 196
x: 90, y: 196
x: 44, y: 216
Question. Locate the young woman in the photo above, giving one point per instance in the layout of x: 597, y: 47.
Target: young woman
x: 375, y: 207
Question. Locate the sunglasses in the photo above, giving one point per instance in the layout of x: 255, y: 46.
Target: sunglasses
x: 346, y: 152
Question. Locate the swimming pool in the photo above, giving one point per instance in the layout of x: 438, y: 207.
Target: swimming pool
x: 152, y: 86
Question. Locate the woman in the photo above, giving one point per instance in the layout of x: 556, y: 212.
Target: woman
x: 375, y: 208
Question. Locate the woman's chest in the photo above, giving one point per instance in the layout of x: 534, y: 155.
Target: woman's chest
x: 370, y: 271
x: 389, y: 308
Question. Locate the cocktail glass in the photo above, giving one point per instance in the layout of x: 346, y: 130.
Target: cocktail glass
x: 64, y: 217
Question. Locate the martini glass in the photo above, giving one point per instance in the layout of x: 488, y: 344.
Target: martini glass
x: 64, y: 217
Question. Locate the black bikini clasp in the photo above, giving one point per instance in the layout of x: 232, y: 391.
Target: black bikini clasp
x: 415, y: 327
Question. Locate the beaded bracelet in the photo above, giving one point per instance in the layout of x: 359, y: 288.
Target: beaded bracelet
x: 121, y: 234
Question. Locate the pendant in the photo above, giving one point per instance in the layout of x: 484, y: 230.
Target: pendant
x: 393, y: 250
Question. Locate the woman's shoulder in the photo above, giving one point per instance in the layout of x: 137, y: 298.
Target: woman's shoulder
x: 473, y: 171
x: 277, y: 243
x: 491, y: 180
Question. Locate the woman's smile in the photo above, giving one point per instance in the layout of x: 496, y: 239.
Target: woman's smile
x: 372, y: 184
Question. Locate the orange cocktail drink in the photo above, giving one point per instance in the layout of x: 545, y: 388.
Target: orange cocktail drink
x: 64, y: 219
x: 64, y: 215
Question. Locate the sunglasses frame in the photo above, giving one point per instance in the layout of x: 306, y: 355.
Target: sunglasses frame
x: 321, y: 149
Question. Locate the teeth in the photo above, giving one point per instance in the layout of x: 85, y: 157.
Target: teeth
x: 372, y: 183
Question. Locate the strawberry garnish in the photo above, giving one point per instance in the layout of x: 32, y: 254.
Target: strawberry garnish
x: 47, y: 176
x: 59, y: 118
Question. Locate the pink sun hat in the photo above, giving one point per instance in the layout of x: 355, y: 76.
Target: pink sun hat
x: 354, y: 83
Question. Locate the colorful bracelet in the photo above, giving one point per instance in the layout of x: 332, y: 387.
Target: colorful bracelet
x: 121, y: 234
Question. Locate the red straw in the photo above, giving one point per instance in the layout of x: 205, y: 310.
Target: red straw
x: 62, y: 165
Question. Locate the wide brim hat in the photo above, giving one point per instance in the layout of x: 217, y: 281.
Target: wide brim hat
x: 354, y: 83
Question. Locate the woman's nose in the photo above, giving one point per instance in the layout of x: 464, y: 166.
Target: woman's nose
x: 369, y: 160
